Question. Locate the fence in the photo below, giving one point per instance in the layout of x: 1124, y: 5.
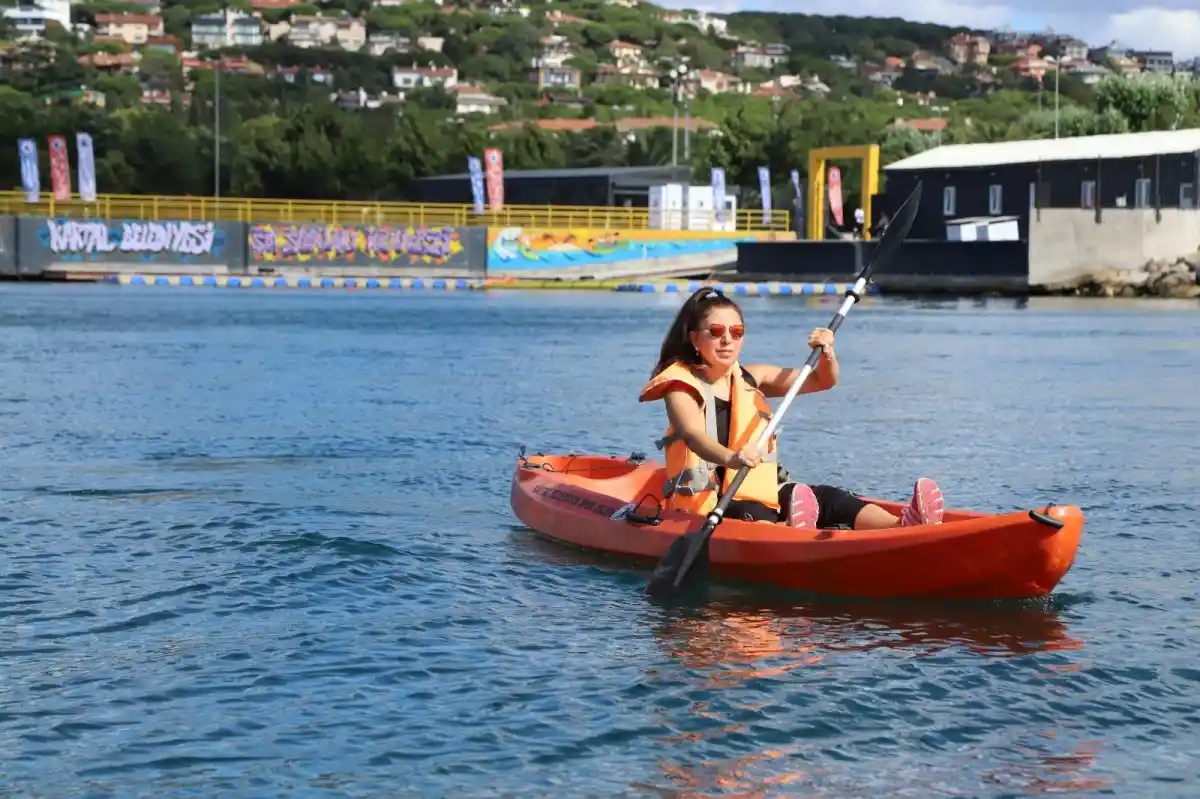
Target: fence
x: 236, y: 209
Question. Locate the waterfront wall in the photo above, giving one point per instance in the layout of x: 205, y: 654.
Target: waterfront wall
x: 338, y: 249
x: 917, y: 265
x: 98, y: 247
x: 1065, y: 244
x: 87, y: 249
x: 537, y: 252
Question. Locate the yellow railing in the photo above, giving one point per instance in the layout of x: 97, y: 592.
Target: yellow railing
x: 128, y: 206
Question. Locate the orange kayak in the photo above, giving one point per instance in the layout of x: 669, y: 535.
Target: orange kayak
x: 970, y: 555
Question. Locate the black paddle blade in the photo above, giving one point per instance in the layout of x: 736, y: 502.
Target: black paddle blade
x: 895, y: 233
x: 670, y: 566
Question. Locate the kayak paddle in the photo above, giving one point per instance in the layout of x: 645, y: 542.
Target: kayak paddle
x: 686, y: 550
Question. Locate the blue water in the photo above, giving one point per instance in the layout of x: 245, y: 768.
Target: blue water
x: 257, y: 543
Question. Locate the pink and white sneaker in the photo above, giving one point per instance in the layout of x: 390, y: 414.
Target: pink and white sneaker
x: 926, y: 507
x: 803, y: 508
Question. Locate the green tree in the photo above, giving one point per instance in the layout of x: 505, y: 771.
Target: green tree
x: 1148, y: 101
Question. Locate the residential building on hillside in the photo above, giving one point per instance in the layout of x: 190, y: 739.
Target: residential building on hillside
x: 555, y: 50
x: 712, y: 81
x: 165, y: 44
x: 1072, y: 49
x: 129, y: 28
x: 416, y: 77
x: 1112, y: 50
x: 966, y: 49
x: 931, y: 64
x: 1019, y: 47
x: 1035, y: 68
x: 111, y: 63
x: 759, y: 57
x: 293, y: 75
x: 1086, y: 72
x: 473, y: 100
x: 883, y: 75
x: 556, y: 18
x: 232, y: 29
x: 702, y: 20
x: 1126, y: 65
x: 313, y: 31
x: 30, y: 17
x: 626, y: 54
x: 385, y: 42
x: 1160, y: 61
x: 638, y: 76
x: 552, y: 77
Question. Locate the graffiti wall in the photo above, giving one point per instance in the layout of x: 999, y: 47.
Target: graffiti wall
x: 446, y: 251
x: 515, y: 249
x: 97, y: 245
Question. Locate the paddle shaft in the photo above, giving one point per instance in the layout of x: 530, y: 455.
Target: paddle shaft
x: 717, y: 513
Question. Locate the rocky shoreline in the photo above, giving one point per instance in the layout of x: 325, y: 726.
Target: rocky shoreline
x: 1176, y: 279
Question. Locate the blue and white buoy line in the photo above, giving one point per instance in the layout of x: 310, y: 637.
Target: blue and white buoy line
x: 246, y: 281
x: 767, y: 289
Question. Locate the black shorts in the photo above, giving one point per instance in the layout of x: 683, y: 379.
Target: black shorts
x: 839, y: 507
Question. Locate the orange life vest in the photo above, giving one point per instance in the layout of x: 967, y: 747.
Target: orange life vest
x: 691, y: 482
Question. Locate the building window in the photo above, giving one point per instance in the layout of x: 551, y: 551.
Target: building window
x: 1087, y: 194
x: 948, y: 201
x: 1141, y: 193
x: 1187, y: 195
x: 995, y: 195
x: 1033, y: 195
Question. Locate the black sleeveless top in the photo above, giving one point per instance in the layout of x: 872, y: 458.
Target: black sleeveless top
x: 721, y: 408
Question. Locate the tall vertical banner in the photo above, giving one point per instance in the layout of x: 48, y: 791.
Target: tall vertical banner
x: 796, y: 182
x: 475, y: 169
x: 718, y: 192
x: 764, y: 188
x: 86, y: 164
x: 835, y: 194
x: 494, y: 169
x: 60, y: 168
x: 31, y: 179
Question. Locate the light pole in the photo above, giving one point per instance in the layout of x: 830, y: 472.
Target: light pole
x: 1057, y: 69
x: 679, y: 72
x: 217, y: 108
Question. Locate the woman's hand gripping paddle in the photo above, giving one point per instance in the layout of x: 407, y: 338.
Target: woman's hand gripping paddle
x: 685, y: 551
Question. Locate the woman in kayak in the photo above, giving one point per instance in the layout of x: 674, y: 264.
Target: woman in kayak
x: 717, y: 410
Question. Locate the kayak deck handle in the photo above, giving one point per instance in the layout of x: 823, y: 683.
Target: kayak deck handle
x: 629, y: 513
x: 637, y: 518
x: 1049, y: 521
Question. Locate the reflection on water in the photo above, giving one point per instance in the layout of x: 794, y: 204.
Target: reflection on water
x: 727, y: 643
x: 743, y: 647
x: 730, y: 631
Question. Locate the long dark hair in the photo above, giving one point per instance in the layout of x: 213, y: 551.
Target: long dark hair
x: 677, y: 346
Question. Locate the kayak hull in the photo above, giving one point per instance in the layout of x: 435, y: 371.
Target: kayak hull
x: 971, y: 555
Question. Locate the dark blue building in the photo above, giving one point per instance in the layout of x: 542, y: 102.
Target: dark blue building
x: 1159, y: 169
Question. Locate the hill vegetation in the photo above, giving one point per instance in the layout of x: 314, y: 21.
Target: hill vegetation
x: 327, y: 121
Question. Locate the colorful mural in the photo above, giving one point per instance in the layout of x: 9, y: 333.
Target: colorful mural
x: 349, y: 244
x: 517, y: 248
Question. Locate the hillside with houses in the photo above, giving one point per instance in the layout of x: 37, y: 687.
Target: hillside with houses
x: 486, y: 55
x: 579, y: 82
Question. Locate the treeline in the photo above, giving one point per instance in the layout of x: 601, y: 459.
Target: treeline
x: 305, y: 147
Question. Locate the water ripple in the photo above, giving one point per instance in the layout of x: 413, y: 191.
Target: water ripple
x: 259, y: 544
